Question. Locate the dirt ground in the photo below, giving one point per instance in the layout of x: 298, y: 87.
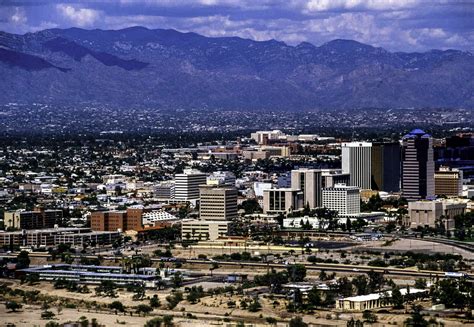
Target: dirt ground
x: 211, y: 310
x: 410, y: 245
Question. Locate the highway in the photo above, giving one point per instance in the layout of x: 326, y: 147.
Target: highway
x: 341, y: 268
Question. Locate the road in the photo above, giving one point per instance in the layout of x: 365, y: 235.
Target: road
x: 342, y: 268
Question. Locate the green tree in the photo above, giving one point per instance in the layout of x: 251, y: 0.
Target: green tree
x: 297, y: 322
x: 155, y: 301
x: 397, y: 298
x: 376, y: 280
x: 369, y: 316
x: 143, y: 308
x: 254, y: 306
x: 13, y: 306
x: 177, y: 279
x: 47, y: 315
x: 416, y: 319
x: 174, y: 299
x: 168, y: 321
x: 23, y: 260
x: 314, y: 297
x: 420, y: 283
x: 155, y: 322
x: 296, y: 273
x: 361, y: 284
x: 117, y: 306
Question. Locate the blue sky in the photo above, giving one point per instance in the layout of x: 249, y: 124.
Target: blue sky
x: 397, y: 25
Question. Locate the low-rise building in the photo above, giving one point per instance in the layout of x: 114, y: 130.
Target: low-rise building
x: 54, y: 236
x: 282, y: 200
x: 204, y: 230
x: 430, y: 213
x: 374, y: 300
x: 36, y: 219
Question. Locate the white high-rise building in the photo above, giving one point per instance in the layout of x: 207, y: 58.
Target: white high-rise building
x: 187, y: 185
x: 309, y: 181
x: 342, y: 198
x: 357, y: 161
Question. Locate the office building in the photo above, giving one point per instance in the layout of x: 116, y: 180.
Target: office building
x: 42, y: 238
x: 221, y: 178
x: 37, y: 219
x: 448, y: 182
x: 263, y: 137
x: 430, y: 213
x: 331, y: 177
x: 309, y: 181
x: 165, y: 190
x: 282, y: 200
x: 386, y: 166
x: 342, y: 198
x: 260, y: 187
x: 218, y: 203
x: 356, y: 161
x: 203, y: 230
x: 284, y: 180
x: 187, y: 185
x: 131, y: 219
x: 417, y: 166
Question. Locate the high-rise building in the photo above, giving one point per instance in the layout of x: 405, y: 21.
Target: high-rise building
x: 309, y: 181
x: 356, y: 160
x: 187, y: 185
x: 342, y: 198
x: 386, y: 166
x: 331, y: 177
x: 448, y: 181
x: 218, y: 203
x: 417, y: 166
x: 282, y: 200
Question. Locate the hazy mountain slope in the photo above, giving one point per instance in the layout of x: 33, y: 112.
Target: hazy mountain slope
x: 169, y: 69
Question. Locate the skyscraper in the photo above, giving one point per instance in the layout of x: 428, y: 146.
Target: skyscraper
x: 356, y: 160
x: 309, y: 181
x: 417, y: 166
x: 386, y: 166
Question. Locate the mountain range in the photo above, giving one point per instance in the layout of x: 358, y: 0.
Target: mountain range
x: 167, y: 69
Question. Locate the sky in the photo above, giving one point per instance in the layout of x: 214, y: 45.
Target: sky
x: 396, y: 25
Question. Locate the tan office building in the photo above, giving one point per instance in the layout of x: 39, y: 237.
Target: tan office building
x: 282, y: 200
x: 217, y: 203
x: 428, y: 213
x: 204, y: 230
x: 309, y: 181
x: 448, y: 182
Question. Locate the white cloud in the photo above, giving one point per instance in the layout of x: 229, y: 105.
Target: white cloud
x: 326, y: 5
x: 79, y: 16
x: 19, y: 16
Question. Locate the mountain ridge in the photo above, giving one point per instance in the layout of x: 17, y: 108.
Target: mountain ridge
x: 164, y: 68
